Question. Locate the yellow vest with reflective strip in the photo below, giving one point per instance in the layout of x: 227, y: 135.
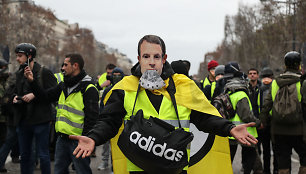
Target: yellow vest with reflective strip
x: 166, y: 113
x: 102, y: 79
x: 59, y: 77
x: 275, y: 87
x: 206, y: 82
x: 235, y: 97
x: 260, y: 103
x: 70, y: 113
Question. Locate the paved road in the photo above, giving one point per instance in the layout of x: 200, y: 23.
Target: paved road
x: 95, y: 162
x: 14, y: 168
x: 237, y: 162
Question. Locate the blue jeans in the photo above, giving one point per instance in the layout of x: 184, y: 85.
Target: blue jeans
x: 10, y: 141
x: 26, y: 133
x: 63, y: 157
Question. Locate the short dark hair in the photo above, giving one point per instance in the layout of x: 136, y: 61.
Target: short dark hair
x: 76, y: 58
x: 110, y: 66
x: 152, y: 39
x: 253, y: 69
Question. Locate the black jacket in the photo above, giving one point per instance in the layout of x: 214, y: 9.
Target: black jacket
x: 35, y: 112
x: 253, y: 95
x: 90, y: 97
x: 113, y: 113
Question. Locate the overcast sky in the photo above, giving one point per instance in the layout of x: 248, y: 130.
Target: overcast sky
x: 190, y: 28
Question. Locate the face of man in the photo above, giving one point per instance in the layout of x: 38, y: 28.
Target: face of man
x: 21, y: 58
x: 253, y: 75
x: 266, y: 80
x: 109, y: 72
x: 116, y: 77
x: 68, y: 68
x: 151, y: 57
x: 219, y: 77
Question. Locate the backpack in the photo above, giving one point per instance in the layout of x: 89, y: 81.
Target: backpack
x: 287, y: 108
x: 224, y: 105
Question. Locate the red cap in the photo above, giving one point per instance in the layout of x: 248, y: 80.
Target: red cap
x: 212, y: 64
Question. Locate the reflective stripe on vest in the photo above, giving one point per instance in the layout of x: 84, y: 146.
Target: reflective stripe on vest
x: 235, y: 97
x: 258, y: 101
x: 166, y: 113
x: 70, y: 113
x: 59, y: 77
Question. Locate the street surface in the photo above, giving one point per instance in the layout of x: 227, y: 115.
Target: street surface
x: 95, y: 162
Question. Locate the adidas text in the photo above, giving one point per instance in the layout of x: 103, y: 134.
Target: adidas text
x: 148, y: 145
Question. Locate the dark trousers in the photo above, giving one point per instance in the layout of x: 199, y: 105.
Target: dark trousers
x: 283, y: 149
x: 264, y: 139
x: 15, y: 153
x: 26, y: 135
x: 10, y: 142
x: 248, y: 156
x: 2, y: 133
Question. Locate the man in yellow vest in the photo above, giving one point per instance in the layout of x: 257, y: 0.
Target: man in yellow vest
x: 236, y: 86
x: 264, y: 135
x: 288, y: 130
x: 77, y: 111
x: 155, y: 101
x: 211, y: 74
x: 103, y: 80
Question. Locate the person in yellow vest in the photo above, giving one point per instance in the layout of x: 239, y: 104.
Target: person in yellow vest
x: 154, y: 100
x: 77, y: 112
x: 209, y: 90
x: 264, y: 135
x: 211, y: 74
x: 236, y: 86
x: 288, y: 131
x: 103, y: 80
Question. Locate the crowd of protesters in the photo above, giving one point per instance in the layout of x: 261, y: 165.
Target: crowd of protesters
x: 40, y: 109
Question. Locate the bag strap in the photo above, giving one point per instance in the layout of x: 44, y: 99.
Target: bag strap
x: 138, y: 89
x: 171, y: 90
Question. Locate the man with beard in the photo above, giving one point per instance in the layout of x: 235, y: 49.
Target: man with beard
x: 77, y: 111
x: 151, y: 76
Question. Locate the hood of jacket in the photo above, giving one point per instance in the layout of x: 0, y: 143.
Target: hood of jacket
x: 236, y: 84
x: 287, y: 78
x: 166, y: 73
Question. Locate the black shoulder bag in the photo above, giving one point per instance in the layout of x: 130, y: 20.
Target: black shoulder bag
x: 155, y: 145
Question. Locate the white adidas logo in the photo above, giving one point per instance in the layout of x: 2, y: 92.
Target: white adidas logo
x: 147, y: 144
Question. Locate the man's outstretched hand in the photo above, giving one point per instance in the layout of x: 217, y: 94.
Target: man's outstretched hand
x: 241, y: 134
x: 85, y: 146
